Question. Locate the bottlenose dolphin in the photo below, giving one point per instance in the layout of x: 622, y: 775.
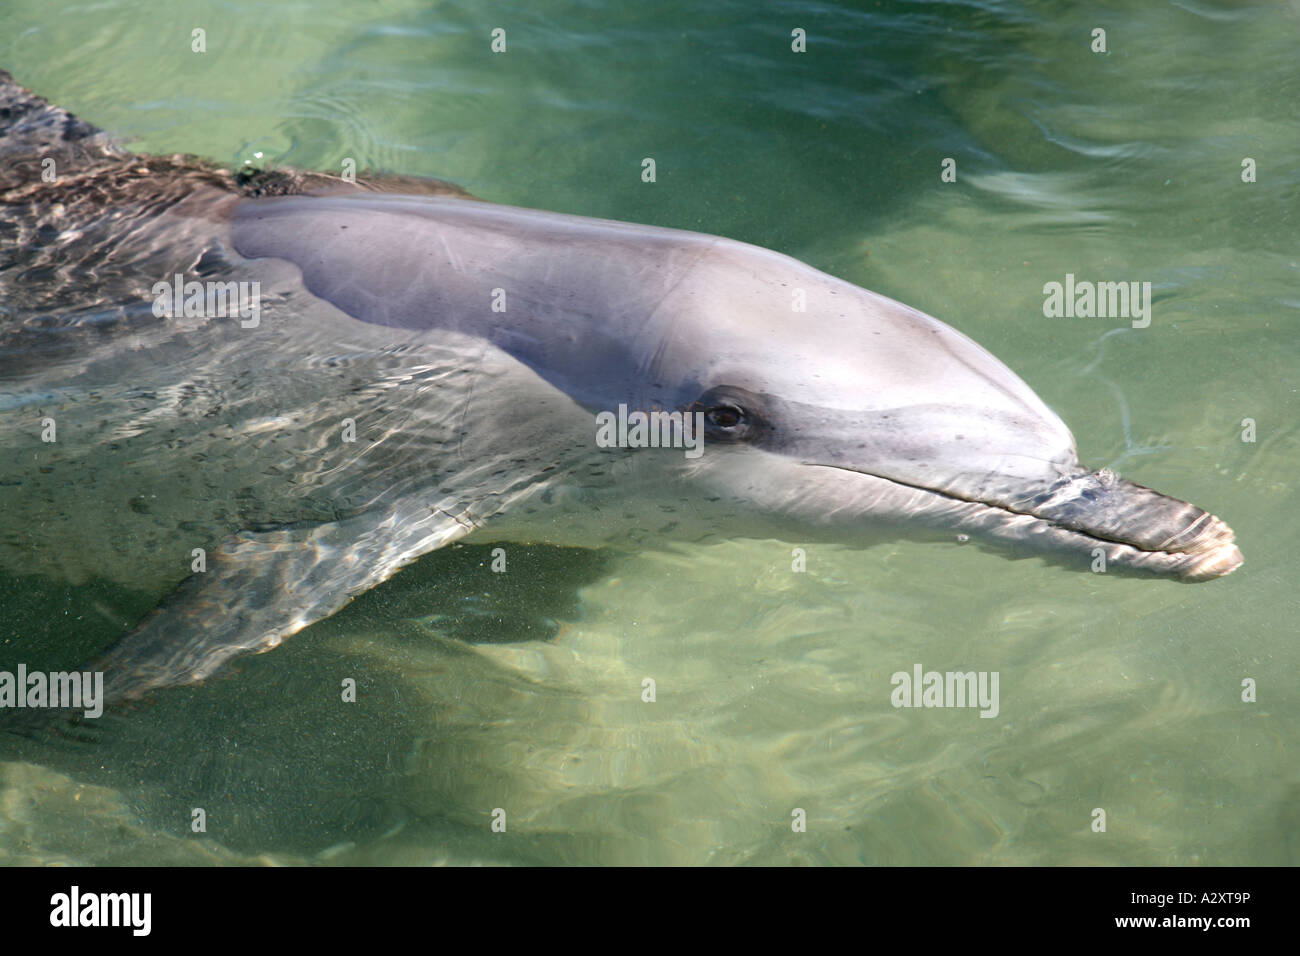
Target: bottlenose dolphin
x: 422, y: 367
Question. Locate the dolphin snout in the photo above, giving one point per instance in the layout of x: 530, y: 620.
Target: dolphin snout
x: 1213, y: 564
x: 1169, y: 536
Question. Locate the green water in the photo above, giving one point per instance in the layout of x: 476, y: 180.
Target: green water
x: 773, y: 687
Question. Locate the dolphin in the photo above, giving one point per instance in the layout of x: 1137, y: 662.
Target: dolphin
x: 421, y: 367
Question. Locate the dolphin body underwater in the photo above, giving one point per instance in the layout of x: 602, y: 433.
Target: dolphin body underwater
x: 471, y: 348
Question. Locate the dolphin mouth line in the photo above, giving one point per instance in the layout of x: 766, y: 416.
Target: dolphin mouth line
x: 1215, y: 557
x: 991, y: 505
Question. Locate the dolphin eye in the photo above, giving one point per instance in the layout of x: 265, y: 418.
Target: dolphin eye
x: 731, y: 414
x: 725, y: 416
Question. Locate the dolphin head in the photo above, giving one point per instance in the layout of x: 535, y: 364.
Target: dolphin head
x: 829, y: 411
x: 833, y: 407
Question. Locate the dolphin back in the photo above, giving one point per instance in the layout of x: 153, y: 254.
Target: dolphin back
x: 29, y: 125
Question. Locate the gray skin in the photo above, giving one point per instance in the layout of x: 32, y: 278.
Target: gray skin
x: 855, y: 420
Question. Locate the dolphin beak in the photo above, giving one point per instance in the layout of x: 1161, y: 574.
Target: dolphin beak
x: 1093, y: 520
x: 1100, y: 515
x: 1104, y: 506
x: 1131, y: 524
